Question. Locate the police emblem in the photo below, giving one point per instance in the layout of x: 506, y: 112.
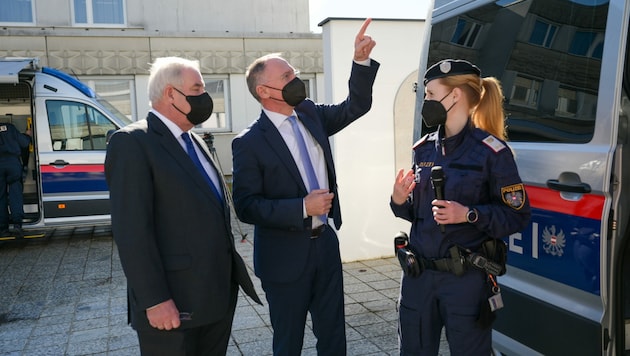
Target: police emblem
x: 553, y: 242
x: 445, y: 67
x: 514, y: 196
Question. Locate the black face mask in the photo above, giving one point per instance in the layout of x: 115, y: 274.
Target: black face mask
x: 293, y: 93
x: 433, y: 112
x: 200, y: 107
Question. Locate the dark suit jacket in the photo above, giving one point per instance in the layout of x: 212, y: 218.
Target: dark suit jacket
x: 268, y: 188
x: 173, y: 234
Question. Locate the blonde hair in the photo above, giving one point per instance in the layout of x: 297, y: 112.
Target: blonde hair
x: 485, y: 97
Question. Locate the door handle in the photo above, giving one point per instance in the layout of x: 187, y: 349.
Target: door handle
x: 569, y: 182
x: 59, y: 162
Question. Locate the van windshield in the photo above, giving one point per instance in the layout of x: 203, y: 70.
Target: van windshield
x: 115, y: 112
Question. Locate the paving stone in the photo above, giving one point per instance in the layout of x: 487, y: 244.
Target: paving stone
x: 67, y: 296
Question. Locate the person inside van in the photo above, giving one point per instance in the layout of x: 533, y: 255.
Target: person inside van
x: 464, y: 193
x: 12, y: 142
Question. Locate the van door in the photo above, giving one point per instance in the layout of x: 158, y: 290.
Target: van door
x: 560, y: 66
x: 71, y: 158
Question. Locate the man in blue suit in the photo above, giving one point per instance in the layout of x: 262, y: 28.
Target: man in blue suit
x: 285, y: 184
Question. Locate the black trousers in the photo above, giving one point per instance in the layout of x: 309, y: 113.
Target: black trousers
x: 206, y: 340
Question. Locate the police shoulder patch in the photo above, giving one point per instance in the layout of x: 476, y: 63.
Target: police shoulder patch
x: 494, y: 143
x: 423, y: 140
x: 513, y: 196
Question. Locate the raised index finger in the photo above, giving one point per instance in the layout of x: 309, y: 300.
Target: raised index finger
x: 364, y: 27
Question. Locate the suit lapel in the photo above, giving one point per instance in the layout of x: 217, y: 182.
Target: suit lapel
x: 172, y: 146
x: 277, y: 144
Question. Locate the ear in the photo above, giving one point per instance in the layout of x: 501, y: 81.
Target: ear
x: 457, y: 94
x: 169, y: 93
x: 262, y: 92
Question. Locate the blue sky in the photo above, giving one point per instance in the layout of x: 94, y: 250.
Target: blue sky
x: 403, y: 9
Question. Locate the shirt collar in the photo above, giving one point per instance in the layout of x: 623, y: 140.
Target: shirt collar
x: 276, y: 118
x: 175, y: 130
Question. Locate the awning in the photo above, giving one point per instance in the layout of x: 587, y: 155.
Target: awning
x: 10, y: 68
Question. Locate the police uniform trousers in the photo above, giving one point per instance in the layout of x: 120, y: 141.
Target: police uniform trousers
x: 437, y: 299
x: 206, y: 340
x: 11, y: 178
x: 319, y: 290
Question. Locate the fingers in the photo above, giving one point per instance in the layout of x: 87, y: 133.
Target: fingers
x: 363, y: 44
x: 164, y: 316
x: 318, y: 202
x: 448, y: 212
x: 364, y: 27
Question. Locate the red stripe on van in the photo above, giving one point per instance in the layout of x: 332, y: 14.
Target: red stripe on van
x: 589, y: 206
x: 72, y: 168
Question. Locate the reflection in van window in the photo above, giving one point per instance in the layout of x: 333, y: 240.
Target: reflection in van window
x: 77, y: 126
x: 548, y: 63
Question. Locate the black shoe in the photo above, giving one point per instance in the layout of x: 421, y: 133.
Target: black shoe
x: 16, y: 231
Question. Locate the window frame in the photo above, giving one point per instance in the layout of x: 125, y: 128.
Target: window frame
x: 472, y: 35
x: 547, y: 40
x: 529, y: 102
x: 24, y: 23
x: 89, y: 9
x: 226, y: 114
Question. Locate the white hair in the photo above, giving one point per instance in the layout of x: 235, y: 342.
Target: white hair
x: 167, y: 71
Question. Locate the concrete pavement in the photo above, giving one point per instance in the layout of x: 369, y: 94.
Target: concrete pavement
x: 66, y: 295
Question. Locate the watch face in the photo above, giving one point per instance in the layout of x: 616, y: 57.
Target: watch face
x: 471, y: 216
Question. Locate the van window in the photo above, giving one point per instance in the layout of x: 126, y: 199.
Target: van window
x: 77, y: 126
x: 548, y: 62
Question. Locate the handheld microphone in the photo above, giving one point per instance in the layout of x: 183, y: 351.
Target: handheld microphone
x: 437, y: 181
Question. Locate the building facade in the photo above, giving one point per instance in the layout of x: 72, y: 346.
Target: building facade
x: 110, y: 44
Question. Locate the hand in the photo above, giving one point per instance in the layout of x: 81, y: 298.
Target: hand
x: 403, y: 186
x: 318, y: 202
x: 164, y: 316
x: 448, y: 212
x: 363, y: 43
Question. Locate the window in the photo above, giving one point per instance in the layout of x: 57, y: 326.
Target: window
x: 119, y: 92
x: 550, y: 86
x: 17, y: 11
x: 567, y: 103
x: 587, y: 44
x: 525, y: 92
x: 76, y: 126
x: 219, y: 120
x: 466, y: 32
x: 99, y: 12
x: 542, y: 34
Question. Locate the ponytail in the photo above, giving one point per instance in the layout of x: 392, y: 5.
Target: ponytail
x: 489, y: 115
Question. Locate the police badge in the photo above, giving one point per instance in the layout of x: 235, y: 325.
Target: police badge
x: 514, y: 196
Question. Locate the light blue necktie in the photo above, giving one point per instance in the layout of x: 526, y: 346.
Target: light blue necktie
x: 190, y: 149
x: 306, y: 159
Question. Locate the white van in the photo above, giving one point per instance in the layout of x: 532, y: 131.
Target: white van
x: 64, y: 181
x: 564, y: 67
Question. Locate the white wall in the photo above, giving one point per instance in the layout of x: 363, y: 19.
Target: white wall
x: 364, y: 152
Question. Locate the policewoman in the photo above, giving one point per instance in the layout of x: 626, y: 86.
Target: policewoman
x: 483, y: 199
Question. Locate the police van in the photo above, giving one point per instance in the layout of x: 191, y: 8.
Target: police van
x: 64, y: 181
x: 565, y: 71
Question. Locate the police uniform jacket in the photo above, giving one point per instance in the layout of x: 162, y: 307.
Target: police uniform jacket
x: 479, y: 172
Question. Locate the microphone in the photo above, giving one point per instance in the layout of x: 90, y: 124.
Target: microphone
x: 437, y: 181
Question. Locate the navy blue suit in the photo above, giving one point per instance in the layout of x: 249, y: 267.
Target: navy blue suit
x: 299, y: 274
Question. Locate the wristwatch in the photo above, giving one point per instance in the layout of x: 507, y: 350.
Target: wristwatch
x: 472, y: 216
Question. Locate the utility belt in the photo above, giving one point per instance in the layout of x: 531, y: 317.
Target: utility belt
x: 490, y: 258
